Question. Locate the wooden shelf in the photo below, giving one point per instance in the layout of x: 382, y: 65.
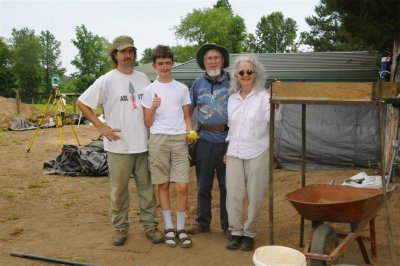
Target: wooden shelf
x: 334, y: 92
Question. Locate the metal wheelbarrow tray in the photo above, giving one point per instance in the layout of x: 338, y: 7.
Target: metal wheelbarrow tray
x: 342, y: 204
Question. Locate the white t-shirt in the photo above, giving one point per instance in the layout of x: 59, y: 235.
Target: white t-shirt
x: 121, y: 96
x: 248, y: 121
x: 169, y: 117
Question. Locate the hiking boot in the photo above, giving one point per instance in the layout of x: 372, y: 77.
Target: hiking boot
x: 234, y: 242
x: 119, y: 238
x: 198, y: 229
x: 247, y: 244
x: 155, y: 236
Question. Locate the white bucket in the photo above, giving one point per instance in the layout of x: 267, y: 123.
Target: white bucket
x: 278, y: 256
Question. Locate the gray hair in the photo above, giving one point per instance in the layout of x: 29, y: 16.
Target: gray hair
x: 261, y: 75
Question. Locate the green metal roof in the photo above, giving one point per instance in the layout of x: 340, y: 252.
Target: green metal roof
x: 148, y: 70
x: 358, y: 66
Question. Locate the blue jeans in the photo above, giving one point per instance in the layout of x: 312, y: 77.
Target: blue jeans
x: 209, y: 161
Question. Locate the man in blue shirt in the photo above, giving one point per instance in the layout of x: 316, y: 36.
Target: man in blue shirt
x: 209, y: 93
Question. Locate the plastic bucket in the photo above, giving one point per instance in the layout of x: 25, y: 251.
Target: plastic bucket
x: 278, y: 256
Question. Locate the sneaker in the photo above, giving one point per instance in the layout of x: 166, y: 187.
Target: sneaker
x: 155, y: 236
x: 198, y: 229
x: 247, y: 244
x: 119, y: 238
x: 234, y: 242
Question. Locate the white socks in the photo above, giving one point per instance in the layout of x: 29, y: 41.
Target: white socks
x: 167, y: 219
x: 180, y: 220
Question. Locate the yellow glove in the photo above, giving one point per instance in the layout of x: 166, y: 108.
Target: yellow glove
x: 192, y: 135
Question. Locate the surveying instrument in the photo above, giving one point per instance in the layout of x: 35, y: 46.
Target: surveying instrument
x: 55, y: 99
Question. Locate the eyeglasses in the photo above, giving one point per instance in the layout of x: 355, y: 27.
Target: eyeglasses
x: 213, y: 58
x: 249, y: 72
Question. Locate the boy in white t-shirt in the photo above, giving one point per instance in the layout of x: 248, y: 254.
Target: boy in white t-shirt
x: 167, y: 113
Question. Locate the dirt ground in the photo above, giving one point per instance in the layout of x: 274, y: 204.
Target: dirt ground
x: 69, y: 217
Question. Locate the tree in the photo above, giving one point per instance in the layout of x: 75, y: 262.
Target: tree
x: 275, y: 34
x: 216, y: 25
x: 250, y: 43
x: 327, y: 32
x: 7, y: 77
x: 50, y: 57
x: 184, y: 53
x: 375, y: 23
x: 224, y: 4
x: 26, y: 49
x: 146, y: 56
x: 93, y: 57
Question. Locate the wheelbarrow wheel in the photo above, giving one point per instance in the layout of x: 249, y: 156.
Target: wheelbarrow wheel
x: 324, y: 241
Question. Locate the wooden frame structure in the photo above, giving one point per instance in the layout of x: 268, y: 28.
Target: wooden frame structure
x: 330, y: 93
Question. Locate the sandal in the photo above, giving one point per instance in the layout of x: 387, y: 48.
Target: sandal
x: 170, y: 240
x: 186, y: 241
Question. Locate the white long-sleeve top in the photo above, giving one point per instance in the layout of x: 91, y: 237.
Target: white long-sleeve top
x: 248, y: 121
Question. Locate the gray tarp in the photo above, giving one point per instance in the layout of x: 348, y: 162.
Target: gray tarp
x: 21, y: 124
x: 337, y: 136
x: 90, y: 160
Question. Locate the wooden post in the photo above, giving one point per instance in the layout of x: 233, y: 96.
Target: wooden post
x: 271, y: 169
x: 303, y: 164
x: 74, y: 102
x: 17, y: 98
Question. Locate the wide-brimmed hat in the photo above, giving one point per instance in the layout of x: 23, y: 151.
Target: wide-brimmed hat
x: 122, y: 42
x: 208, y: 46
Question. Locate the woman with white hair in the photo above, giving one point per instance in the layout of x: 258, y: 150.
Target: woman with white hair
x: 247, y: 157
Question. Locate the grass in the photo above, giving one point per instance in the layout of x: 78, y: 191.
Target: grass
x: 5, y: 239
x: 69, y: 108
x: 70, y: 202
x: 38, y: 184
x: 12, y: 215
x: 8, y: 195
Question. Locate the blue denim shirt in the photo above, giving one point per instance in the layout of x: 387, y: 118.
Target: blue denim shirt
x: 211, y: 99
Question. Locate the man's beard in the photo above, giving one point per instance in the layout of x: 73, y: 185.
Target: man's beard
x: 214, y: 73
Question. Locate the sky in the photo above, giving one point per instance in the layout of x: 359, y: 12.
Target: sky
x: 148, y: 22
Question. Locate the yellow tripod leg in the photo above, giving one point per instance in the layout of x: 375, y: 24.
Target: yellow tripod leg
x: 76, y: 136
x: 69, y: 122
x: 41, y: 121
x: 59, y: 125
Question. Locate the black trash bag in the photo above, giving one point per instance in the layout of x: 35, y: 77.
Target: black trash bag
x: 90, y: 160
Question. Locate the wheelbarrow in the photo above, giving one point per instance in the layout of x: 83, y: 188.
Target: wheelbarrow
x: 321, y: 203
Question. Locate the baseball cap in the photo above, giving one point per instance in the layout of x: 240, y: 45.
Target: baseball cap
x: 122, y: 42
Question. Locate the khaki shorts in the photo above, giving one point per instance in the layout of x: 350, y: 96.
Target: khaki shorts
x: 168, y: 158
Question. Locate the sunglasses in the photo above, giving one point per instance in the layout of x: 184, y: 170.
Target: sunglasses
x: 249, y: 72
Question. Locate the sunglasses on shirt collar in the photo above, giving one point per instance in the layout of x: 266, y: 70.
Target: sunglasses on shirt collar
x: 249, y: 72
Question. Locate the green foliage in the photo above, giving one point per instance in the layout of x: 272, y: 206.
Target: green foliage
x: 275, y: 34
x: 215, y: 25
x: 250, y: 43
x: 7, y: 77
x: 327, y: 32
x: 92, y: 59
x: 146, y: 56
x: 376, y: 23
x: 50, y: 57
x: 26, y: 50
x: 184, y: 53
x: 224, y: 4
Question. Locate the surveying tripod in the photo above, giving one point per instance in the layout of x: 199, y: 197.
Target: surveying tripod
x: 55, y: 100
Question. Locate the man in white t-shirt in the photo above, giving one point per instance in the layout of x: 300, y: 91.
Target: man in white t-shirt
x: 120, y: 93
